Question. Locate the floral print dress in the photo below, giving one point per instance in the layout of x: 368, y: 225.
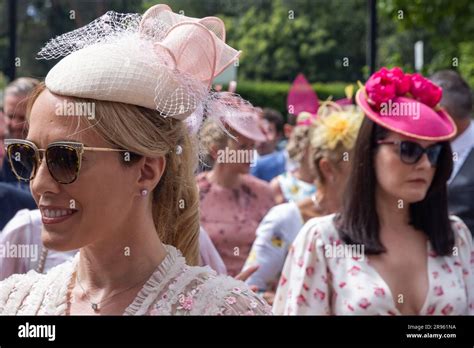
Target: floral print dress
x: 312, y: 283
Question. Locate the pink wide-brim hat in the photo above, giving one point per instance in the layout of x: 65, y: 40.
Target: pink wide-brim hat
x: 425, y: 123
x: 248, y: 122
x: 252, y: 129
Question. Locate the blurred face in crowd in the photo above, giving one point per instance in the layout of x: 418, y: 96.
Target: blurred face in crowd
x: 15, y: 115
x: 408, y: 182
x: 240, y: 154
x: 270, y: 130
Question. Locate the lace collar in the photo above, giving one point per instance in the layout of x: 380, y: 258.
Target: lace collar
x: 166, y: 270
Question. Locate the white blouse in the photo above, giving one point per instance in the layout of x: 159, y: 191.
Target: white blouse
x: 314, y: 282
x: 173, y: 289
x: 275, y: 234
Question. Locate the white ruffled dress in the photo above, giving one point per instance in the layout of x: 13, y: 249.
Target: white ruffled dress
x: 174, y: 288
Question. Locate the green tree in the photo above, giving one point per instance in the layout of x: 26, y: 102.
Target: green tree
x: 446, y: 28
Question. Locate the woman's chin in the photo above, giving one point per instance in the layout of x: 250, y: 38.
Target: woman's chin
x: 58, y: 242
x: 414, y: 196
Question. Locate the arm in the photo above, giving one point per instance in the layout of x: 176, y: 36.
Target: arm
x: 466, y: 254
x: 16, y: 232
x: 270, y: 248
x: 276, y: 189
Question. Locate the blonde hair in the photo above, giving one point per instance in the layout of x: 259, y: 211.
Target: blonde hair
x: 298, y: 142
x: 212, y: 135
x: 332, y: 135
x: 142, y: 131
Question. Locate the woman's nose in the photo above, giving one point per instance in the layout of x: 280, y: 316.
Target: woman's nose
x: 43, y: 181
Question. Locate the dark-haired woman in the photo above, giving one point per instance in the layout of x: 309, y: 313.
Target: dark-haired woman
x: 393, y: 249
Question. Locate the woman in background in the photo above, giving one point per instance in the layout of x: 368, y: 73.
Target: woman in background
x: 393, y: 249
x: 233, y: 202
x: 331, y: 138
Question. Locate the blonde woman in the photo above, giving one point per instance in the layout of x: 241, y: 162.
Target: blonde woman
x: 233, y: 202
x: 119, y: 184
x: 330, y: 138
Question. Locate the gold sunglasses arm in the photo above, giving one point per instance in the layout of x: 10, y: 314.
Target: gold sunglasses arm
x: 103, y: 149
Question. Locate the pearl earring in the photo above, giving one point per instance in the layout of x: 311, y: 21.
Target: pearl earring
x: 144, y: 192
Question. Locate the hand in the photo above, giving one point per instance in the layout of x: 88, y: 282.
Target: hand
x: 244, y: 275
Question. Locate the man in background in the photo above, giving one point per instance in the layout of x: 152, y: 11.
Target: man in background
x: 14, y: 109
x: 270, y: 162
x: 457, y: 100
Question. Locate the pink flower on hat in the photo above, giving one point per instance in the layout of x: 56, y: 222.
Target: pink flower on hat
x: 402, y: 81
x: 380, y: 88
x: 425, y: 91
x: 386, y: 84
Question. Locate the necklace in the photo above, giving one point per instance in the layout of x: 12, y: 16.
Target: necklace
x: 95, y: 305
x: 42, y: 261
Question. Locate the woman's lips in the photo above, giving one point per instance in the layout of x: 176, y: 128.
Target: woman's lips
x: 54, y: 215
x: 418, y: 181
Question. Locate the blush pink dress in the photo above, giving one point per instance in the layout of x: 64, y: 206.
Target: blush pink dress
x: 231, y: 216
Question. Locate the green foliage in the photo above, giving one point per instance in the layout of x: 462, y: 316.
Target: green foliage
x: 295, y: 36
x: 466, y: 65
x: 324, y: 39
x: 274, y: 94
x: 446, y: 28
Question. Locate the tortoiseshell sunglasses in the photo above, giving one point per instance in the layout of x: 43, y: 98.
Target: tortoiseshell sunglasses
x: 63, y: 158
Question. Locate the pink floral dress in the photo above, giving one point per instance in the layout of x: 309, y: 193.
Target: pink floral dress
x: 231, y: 216
x: 312, y: 283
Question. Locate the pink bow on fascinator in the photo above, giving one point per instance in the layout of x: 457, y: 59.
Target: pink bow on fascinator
x: 302, y: 97
x: 195, y: 46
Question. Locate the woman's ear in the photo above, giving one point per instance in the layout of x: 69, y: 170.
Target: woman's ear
x: 151, y: 171
x: 327, y: 169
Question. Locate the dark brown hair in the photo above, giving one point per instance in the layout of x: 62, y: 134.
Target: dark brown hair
x: 358, y: 222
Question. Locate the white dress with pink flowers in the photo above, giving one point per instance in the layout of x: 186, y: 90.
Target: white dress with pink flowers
x: 173, y: 289
x: 315, y: 282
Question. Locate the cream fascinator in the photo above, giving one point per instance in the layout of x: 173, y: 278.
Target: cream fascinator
x: 159, y: 60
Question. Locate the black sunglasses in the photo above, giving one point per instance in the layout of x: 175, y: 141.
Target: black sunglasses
x: 411, y: 152
x: 63, y: 159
